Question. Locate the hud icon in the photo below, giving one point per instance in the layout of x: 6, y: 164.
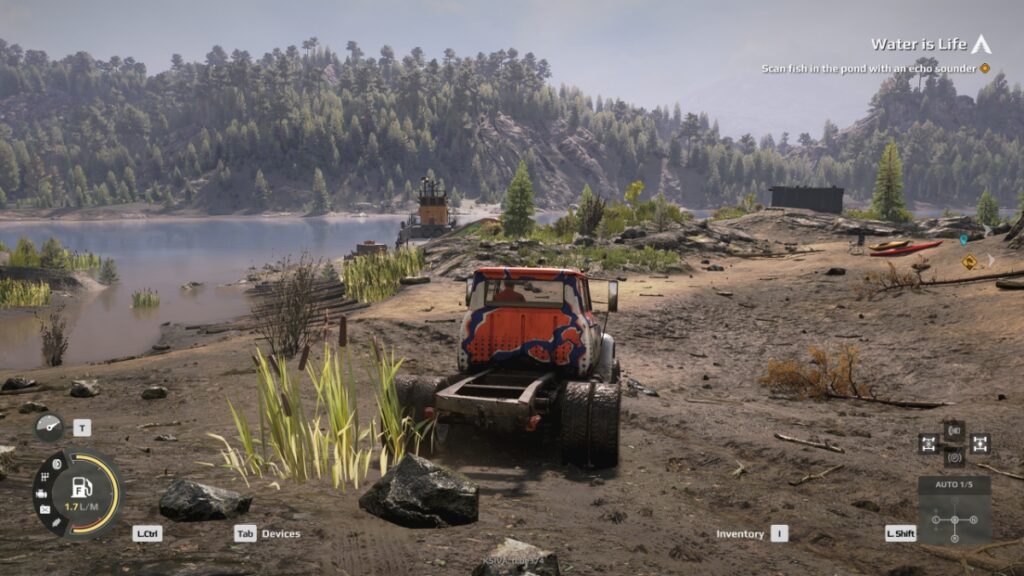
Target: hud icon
x: 927, y: 443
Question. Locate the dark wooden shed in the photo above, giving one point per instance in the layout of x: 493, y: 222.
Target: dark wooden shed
x: 817, y: 199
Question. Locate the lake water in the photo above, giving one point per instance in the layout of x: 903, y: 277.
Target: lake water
x: 162, y: 255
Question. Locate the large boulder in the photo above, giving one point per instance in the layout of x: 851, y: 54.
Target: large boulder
x: 420, y: 494
x: 85, y: 388
x: 515, y: 558
x: 188, y: 501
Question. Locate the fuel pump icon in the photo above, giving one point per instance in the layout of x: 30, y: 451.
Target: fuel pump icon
x: 81, y: 487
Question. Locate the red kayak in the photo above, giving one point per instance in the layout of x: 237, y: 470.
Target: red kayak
x: 907, y: 249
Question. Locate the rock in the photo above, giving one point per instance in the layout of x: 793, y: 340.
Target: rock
x: 420, y: 494
x: 411, y: 280
x: 18, y: 383
x: 188, y: 501
x: 512, y: 558
x: 154, y: 393
x: 715, y: 268
x: 161, y: 347
x: 84, y: 388
x: 166, y: 438
x: 6, y: 460
x: 868, y: 505
x: 583, y: 241
x: 1001, y: 397
x: 29, y: 407
x: 633, y: 232
x: 191, y: 285
x: 836, y: 271
x: 906, y: 570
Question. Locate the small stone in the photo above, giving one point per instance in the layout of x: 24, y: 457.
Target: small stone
x: 84, y: 388
x: 29, y: 407
x: 512, y: 558
x: 836, y: 271
x: 715, y: 268
x: 154, y: 393
x: 1001, y: 397
x: 161, y: 347
x: 18, y: 383
x: 868, y: 505
x: 166, y: 438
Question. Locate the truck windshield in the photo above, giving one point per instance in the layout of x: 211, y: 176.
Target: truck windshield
x: 527, y: 293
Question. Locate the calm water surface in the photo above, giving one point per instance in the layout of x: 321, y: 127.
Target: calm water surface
x: 163, y: 255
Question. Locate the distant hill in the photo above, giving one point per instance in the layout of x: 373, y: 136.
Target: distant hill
x: 240, y: 134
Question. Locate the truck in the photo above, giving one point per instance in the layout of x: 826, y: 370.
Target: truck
x: 433, y: 218
x: 532, y: 350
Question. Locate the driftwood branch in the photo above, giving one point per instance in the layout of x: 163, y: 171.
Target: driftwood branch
x: 978, y: 557
x: 982, y: 278
x: 739, y: 471
x: 823, y: 445
x: 817, y: 476
x: 899, y: 403
x: 998, y: 471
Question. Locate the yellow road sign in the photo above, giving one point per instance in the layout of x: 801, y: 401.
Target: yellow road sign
x: 969, y: 262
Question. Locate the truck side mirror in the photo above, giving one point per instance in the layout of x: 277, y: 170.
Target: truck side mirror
x: 403, y: 224
x: 613, y: 296
x: 469, y: 290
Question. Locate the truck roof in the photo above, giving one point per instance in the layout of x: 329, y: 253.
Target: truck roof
x: 506, y: 272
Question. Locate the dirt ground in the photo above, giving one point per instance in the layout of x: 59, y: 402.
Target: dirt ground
x: 659, y: 512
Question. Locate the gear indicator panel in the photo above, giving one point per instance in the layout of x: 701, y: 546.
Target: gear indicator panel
x: 954, y: 510
x: 77, y: 494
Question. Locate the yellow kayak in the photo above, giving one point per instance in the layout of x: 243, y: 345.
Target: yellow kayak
x: 889, y: 245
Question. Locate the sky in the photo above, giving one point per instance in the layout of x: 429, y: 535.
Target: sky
x: 706, y: 55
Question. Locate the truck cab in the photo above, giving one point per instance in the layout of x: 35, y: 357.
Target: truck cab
x: 535, y: 318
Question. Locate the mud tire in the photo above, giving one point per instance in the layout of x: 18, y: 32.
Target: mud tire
x: 416, y: 393
x: 590, y: 424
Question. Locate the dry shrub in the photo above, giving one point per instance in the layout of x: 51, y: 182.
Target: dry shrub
x: 54, y: 331
x: 876, y: 282
x: 827, y: 374
x: 285, y: 311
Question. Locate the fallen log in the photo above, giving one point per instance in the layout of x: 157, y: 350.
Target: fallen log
x: 977, y: 558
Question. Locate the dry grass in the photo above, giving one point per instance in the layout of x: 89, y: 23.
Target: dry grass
x: 892, y: 279
x: 827, y: 374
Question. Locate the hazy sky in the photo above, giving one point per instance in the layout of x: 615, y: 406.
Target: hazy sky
x: 706, y: 55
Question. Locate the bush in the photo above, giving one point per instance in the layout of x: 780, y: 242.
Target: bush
x: 24, y: 255
x: 567, y: 225
x: 591, y: 212
x: 826, y: 375
x: 145, y: 298
x: 53, y: 255
x: 285, y: 310
x: 861, y: 214
x: 375, y: 277
x: 23, y: 293
x: 55, y: 340
x: 108, y: 272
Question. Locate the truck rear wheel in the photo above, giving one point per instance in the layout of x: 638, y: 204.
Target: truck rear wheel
x: 590, y: 424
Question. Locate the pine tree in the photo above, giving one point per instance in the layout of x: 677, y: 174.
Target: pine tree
x: 262, y: 191
x: 3, y: 199
x: 988, y: 209
x: 9, y: 176
x: 108, y: 272
x: 518, y: 208
x: 887, y: 202
x: 321, y: 199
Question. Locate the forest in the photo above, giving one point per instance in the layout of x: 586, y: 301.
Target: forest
x: 308, y: 128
